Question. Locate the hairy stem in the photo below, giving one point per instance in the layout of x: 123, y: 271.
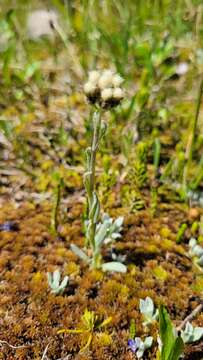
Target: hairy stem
x: 55, y: 213
x: 94, y: 148
x: 93, y: 203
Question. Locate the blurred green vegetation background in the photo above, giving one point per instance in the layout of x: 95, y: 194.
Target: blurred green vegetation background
x: 156, y: 45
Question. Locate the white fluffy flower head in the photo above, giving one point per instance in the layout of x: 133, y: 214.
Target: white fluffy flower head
x: 94, y: 76
x: 104, y: 88
x: 40, y: 23
x: 106, y: 94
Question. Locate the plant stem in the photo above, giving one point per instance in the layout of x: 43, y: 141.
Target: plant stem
x: 190, y: 144
x: 55, y: 214
x: 93, y: 203
x: 94, y: 148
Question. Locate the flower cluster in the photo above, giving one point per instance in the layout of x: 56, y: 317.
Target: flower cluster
x: 104, y: 88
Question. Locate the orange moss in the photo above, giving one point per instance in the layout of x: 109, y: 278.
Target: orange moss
x: 157, y: 267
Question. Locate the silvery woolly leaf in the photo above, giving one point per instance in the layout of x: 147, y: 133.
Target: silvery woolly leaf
x: 49, y: 278
x: 187, y: 337
x: 106, y: 218
x: 119, y: 221
x: 139, y: 343
x: 197, y: 250
x: 56, y: 277
x: 119, y: 258
x: 95, y: 209
x: 87, y: 181
x: 114, y: 266
x: 197, y: 333
x: 147, y: 307
x: 103, y: 129
x: 200, y: 261
x: 189, y: 328
x: 64, y: 283
x: 101, y: 234
x: 148, y: 342
x: 191, y: 334
x: 192, y: 242
x: 88, y: 156
x: 140, y: 353
x: 141, y: 348
x: 79, y: 253
x: 116, y: 225
x: 116, y: 236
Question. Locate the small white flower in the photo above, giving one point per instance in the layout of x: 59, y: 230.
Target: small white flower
x: 94, y: 77
x: 106, y: 79
x: 89, y: 88
x: 39, y: 23
x: 106, y: 94
x: 118, y: 93
x: 108, y: 73
x: 182, y: 68
x: 117, y: 80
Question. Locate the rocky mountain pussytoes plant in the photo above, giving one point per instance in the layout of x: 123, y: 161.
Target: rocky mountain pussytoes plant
x: 191, y: 334
x: 148, y: 311
x: 103, y: 92
x: 56, y: 285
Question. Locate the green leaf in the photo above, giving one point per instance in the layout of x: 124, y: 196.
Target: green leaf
x: 172, y: 345
x: 31, y: 69
x: 177, y: 349
x: 166, y: 333
x: 6, y: 127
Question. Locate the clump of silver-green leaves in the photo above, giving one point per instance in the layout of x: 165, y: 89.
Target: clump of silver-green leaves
x: 191, y: 334
x: 196, y: 251
x: 54, y: 280
x: 103, y: 91
x: 148, y: 311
